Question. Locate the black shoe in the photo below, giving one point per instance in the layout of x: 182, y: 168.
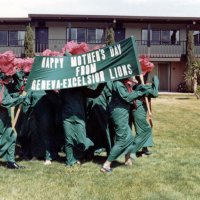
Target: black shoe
x: 13, y: 165
x: 139, y: 154
x: 146, y: 151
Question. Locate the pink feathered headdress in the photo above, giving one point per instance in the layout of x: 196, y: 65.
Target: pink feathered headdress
x: 24, y: 64
x: 6, y: 63
x: 145, y: 64
x: 28, y: 62
x: 48, y: 52
x: 75, y: 48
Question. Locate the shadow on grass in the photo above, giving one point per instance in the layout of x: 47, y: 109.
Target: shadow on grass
x: 184, y: 98
x: 3, y: 164
x: 97, y: 159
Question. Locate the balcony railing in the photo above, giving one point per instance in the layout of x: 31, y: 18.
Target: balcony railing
x: 17, y: 46
x: 162, y: 50
x: 153, y: 51
x: 58, y: 44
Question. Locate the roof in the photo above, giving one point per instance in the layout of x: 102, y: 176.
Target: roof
x: 54, y: 17
x: 14, y: 20
x: 100, y: 18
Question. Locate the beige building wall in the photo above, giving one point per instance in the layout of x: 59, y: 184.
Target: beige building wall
x: 59, y: 33
x: 13, y: 28
x: 135, y: 30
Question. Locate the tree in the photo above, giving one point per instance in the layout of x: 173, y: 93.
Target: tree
x: 28, y: 42
x: 190, y: 60
x: 195, y: 72
x: 110, y: 36
x: 192, y: 66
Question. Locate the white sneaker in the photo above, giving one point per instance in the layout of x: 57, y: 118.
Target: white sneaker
x: 47, y: 162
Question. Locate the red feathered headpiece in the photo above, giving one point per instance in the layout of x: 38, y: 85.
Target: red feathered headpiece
x: 23, y: 64
x: 75, y: 48
x: 28, y: 62
x: 48, y: 52
x: 6, y: 63
x: 145, y: 64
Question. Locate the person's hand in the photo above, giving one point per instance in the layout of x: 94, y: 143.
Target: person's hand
x: 141, y: 87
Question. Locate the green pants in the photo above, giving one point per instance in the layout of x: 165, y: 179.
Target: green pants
x: 142, y: 127
x: 7, y: 137
x: 75, y: 140
x: 97, y: 128
x: 123, y: 135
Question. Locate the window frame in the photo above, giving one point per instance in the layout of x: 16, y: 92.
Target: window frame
x: 155, y: 41
x: 160, y: 41
x: 9, y: 41
x: 87, y: 40
x: 6, y: 44
x: 197, y: 43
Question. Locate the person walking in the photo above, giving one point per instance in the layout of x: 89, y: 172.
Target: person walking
x: 7, y: 135
x: 119, y: 108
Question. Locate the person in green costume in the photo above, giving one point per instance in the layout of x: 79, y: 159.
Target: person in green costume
x: 45, y: 114
x: 98, y: 122
x: 74, y: 118
x: 125, y: 143
x: 7, y: 134
x: 139, y: 117
x: 29, y: 137
x: 40, y: 134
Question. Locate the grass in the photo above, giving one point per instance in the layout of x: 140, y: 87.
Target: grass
x: 171, y: 172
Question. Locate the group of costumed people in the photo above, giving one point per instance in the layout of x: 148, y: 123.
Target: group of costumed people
x: 78, y: 121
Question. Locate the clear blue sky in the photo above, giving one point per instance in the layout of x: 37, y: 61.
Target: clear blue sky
x: 173, y: 8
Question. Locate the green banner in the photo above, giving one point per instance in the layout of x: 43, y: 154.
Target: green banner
x: 113, y: 62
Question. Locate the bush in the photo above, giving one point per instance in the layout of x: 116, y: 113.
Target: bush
x: 197, y: 93
x: 182, y: 87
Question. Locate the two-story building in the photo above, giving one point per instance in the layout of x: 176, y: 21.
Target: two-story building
x: 163, y: 39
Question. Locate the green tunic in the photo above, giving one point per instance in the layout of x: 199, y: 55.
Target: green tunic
x: 28, y: 136
x: 74, y: 117
x: 7, y: 134
x: 17, y: 82
x: 44, y: 122
x: 119, y: 112
x: 139, y: 115
x: 142, y: 127
x: 39, y: 131
x: 97, y: 121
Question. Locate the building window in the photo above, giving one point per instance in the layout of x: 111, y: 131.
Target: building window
x: 95, y: 36
x: 100, y: 35
x: 175, y: 36
x: 89, y: 35
x: 155, y: 36
x: 4, y: 38
x: 196, y: 35
x: 170, y: 37
x: 144, y: 36
x: 77, y: 34
x: 165, y: 37
x: 81, y: 34
x: 12, y: 38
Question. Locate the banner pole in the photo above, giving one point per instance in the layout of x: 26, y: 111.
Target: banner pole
x: 17, y: 114
x: 147, y: 103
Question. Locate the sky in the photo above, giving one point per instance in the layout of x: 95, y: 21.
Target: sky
x: 171, y: 8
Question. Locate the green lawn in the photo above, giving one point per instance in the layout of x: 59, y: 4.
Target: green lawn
x: 171, y: 172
